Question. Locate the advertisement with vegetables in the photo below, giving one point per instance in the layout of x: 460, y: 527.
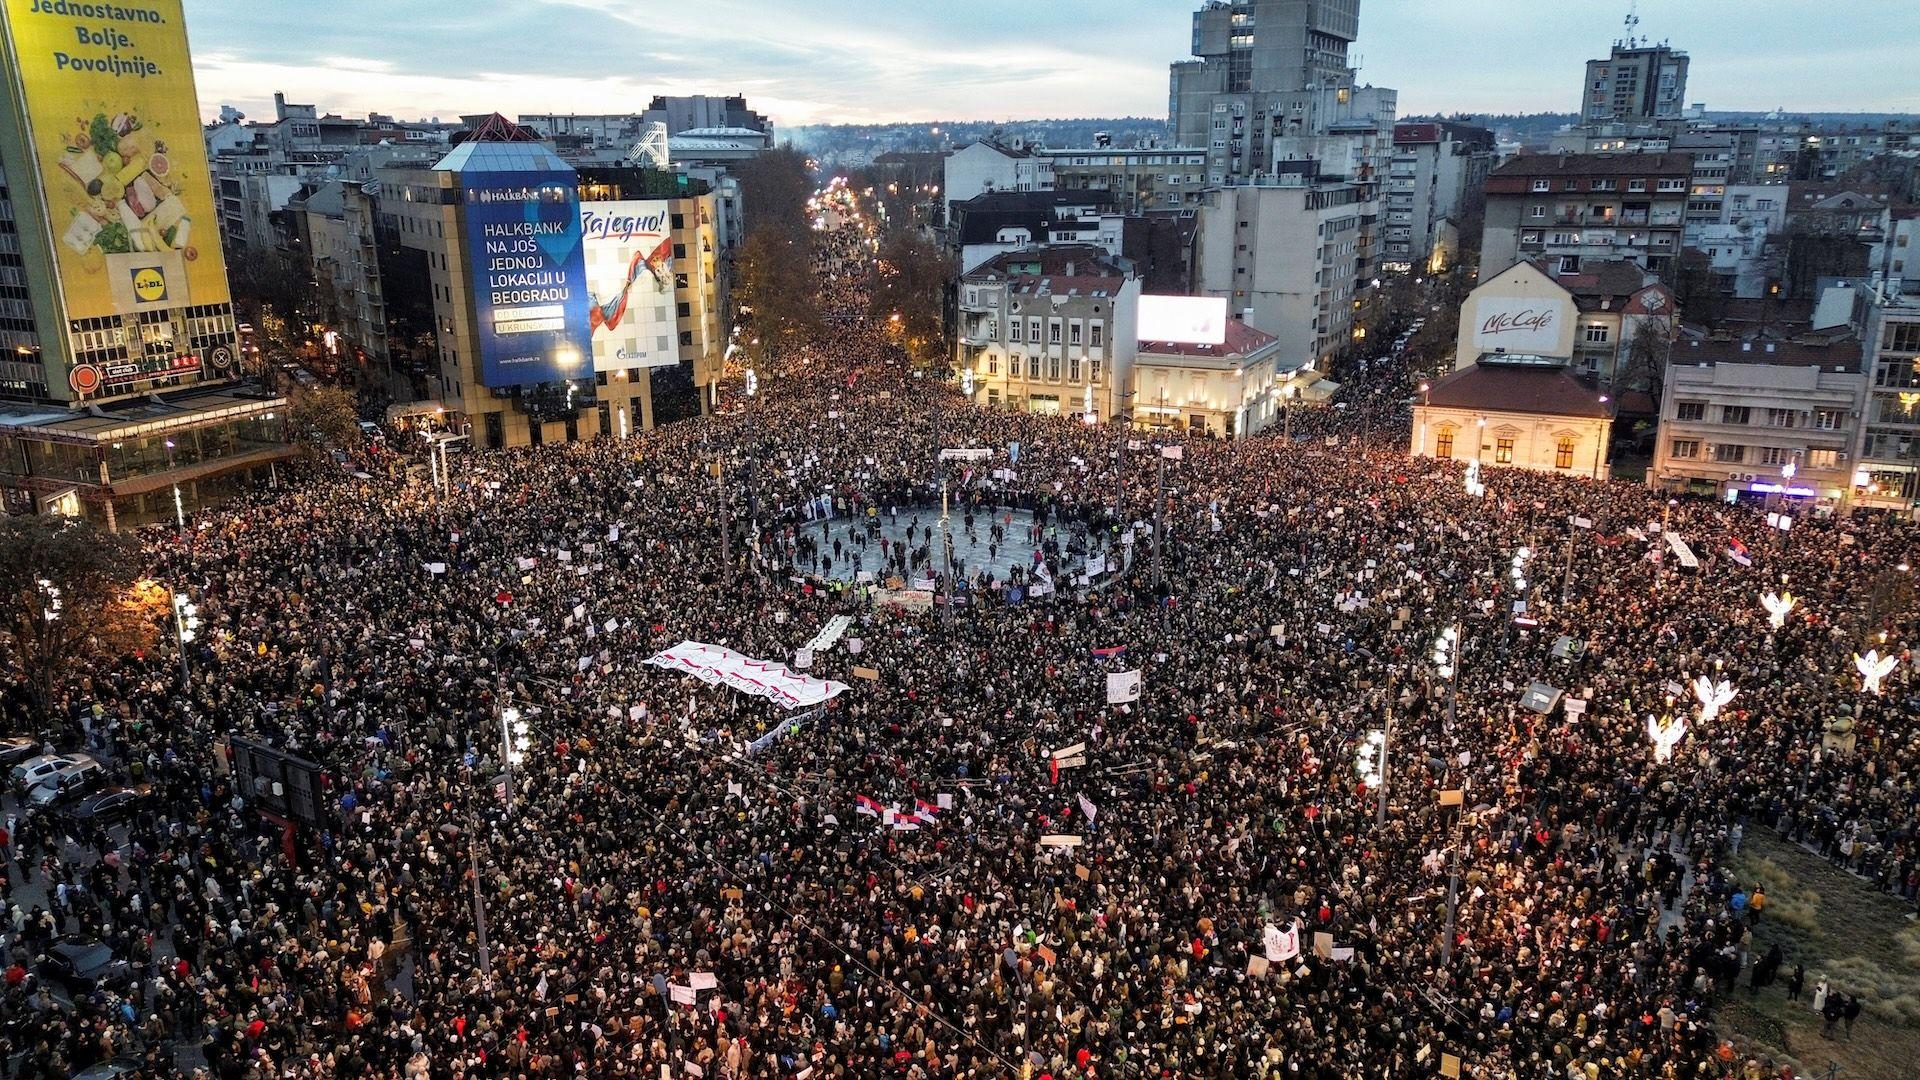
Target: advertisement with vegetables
x: 116, y: 138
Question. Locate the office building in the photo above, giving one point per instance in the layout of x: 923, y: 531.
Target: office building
x: 1049, y: 330
x: 1285, y: 253
x: 1571, y: 207
x: 1635, y: 83
x: 1767, y: 420
x: 1139, y: 179
x: 686, y: 114
x: 1437, y: 169
x: 633, y: 275
x: 120, y: 391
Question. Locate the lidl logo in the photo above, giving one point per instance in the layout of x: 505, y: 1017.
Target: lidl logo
x: 149, y: 284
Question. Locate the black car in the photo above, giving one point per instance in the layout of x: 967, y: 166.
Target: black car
x: 108, y: 807
x: 14, y: 751
x: 79, y: 964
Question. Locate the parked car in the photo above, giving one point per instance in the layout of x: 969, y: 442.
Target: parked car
x: 108, y: 807
x: 34, y: 771
x: 80, y: 964
x: 81, y: 776
x: 15, y: 750
x: 107, y: 1070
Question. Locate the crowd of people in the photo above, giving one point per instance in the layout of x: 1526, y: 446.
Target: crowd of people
x: 973, y: 861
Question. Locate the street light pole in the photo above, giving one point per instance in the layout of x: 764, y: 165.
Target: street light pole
x: 1159, y: 514
x: 186, y: 620
x: 1386, y: 748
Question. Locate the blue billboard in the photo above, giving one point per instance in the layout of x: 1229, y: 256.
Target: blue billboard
x: 529, y: 277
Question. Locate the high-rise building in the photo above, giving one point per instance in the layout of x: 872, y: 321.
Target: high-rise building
x: 1436, y: 169
x: 1267, y: 72
x: 120, y: 396
x: 1568, y: 208
x: 1636, y: 83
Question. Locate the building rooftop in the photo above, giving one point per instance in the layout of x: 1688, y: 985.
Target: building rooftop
x: 150, y: 413
x: 1242, y: 341
x: 1064, y: 262
x: 1531, y: 165
x: 1841, y: 355
x: 1521, y: 388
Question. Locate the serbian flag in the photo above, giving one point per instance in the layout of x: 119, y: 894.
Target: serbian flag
x: 924, y: 810
x: 1110, y: 652
x: 1738, y: 551
x: 864, y: 805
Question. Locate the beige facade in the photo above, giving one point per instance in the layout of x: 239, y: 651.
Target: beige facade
x: 1224, y: 391
x: 1050, y: 331
x: 1568, y: 445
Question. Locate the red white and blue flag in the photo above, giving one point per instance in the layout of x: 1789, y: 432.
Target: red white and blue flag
x: 864, y: 805
x: 1738, y: 552
x: 1110, y: 652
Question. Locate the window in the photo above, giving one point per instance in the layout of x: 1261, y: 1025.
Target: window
x: 1597, y: 335
x: 1013, y: 330
x: 1823, y: 459
x: 1729, y: 453
x: 1033, y: 329
x: 679, y: 251
x: 1053, y: 331
x: 1033, y: 366
x: 1603, y: 185
x: 1503, y: 451
x: 1636, y: 185
x: 1775, y: 455
x: 1827, y: 419
x: 1073, y: 333
x: 1673, y: 185
x: 1073, y: 368
x: 1690, y: 410
x: 1543, y: 185
x: 1686, y: 448
x: 1735, y: 414
x: 1570, y: 264
x: 1563, y: 452
x: 1782, y: 417
x: 1539, y: 210
x: 1098, y: 334
x: 993, y: 364
x: 1443, y: 443
x: 1053, y: 367
x: 684, y: 311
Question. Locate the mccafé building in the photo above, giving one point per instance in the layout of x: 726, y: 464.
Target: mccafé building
x: 1580, y: 315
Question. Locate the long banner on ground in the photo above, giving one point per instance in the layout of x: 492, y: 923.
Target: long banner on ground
x: 713, y: 664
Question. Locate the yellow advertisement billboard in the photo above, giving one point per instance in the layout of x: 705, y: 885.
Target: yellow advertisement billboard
x: 115, y: 136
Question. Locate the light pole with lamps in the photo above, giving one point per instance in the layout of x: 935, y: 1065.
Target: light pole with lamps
x: 186, y: 626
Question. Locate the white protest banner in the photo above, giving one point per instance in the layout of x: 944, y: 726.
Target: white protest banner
x: 682, y: 995
x: 829, y: 634
x: 435, y: 567
x: 703, y: 980
x: 1061, y: 840
x: 803, y: 658
x: 1087, y: 808
x: 714, y: 664
x: 1281, y: 945
x: 1123, y: 686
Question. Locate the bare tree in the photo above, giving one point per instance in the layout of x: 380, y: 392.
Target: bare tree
x: 324, y: 416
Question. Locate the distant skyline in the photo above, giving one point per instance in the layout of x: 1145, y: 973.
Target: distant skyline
x: 876, y: 62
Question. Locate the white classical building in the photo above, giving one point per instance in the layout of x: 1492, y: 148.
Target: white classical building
x: 1225, y: 390
x: 1518, y: 412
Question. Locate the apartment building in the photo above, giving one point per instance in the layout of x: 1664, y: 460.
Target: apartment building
x: 1435, y: 170
x: 1761, y: 419
x: 1634, y: 83
x: 1050, y: 331
x: 1887, y: 473
x: 1571, y: 207
x: 1138, y: 178
x: 1286, y: 254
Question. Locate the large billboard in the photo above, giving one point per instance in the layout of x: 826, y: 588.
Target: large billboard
x: 629, y: 254
x: 1519, y: 324
x: 529, y: 276
x: 1184, y: 320
x: 115, y: 137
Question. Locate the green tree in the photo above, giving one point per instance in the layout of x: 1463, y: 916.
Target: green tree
x: 324, y: 416
x: 67, y: 594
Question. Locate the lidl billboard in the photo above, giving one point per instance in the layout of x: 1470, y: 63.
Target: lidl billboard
x: 630, y: 281
x: 529, y: 276
x: 114, y: 131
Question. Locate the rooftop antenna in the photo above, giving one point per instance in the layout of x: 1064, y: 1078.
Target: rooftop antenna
x: 1633, y: 20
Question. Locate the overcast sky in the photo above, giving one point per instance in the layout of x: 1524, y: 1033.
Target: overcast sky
x: 919, y: 60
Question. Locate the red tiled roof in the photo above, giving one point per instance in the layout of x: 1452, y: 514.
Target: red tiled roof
x: 1546, y: 391
x: 1242, y: 340
x: 1838, y: 356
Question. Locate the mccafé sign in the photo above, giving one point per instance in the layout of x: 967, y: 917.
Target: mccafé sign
x: 1507, y: 322
x: 1517, y: 325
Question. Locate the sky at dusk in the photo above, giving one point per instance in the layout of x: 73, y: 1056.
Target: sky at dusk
x: 861, y: 61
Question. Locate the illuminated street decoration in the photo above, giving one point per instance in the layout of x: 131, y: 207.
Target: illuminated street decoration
x: 1474, y: 486
x: 1712, y: 696
x: 1873, y: 668
x: 1666, y: 734
x: 1778, y: 607
x: 1370, y: 757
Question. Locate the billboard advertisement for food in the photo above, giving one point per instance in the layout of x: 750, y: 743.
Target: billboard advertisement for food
x: 529, y: 276
x: 630, y: 283
x: 115, y: 134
